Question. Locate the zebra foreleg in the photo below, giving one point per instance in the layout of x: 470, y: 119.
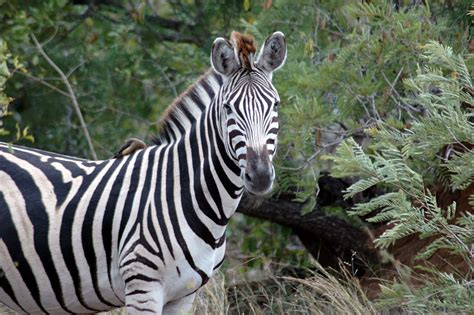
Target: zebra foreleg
x: 181, y: 306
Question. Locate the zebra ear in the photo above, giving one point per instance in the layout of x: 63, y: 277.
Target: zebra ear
x: 273, y: 53
x: 223, y: 58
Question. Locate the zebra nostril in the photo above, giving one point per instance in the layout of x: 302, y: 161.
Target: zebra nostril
x: 247, y: 177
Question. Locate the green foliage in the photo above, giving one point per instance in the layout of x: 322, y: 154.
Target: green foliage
x: 348, y: 74
x: 4, y: 73
x: 397, y: 161
x: 461, y: 169
x: 265, y: 243
x: 437, y: 293
x: 125, y: 62
x: 344, y: 73
x: 398, y: 156
x: 5, y: 100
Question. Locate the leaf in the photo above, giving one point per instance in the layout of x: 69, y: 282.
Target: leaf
x: 35, y: 60
x: 246, y: 5
x: 4, y: 69
x: 25, y: 131
x: 309, y: 205
x: 309, y: 48
x: 30, y: 138
x: 18, y: 132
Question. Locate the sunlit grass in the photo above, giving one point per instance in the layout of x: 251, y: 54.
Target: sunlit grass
x: 321, y: 293
x: 5, y: 311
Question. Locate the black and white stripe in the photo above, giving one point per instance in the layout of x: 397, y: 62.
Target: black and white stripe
x: 146, y: 230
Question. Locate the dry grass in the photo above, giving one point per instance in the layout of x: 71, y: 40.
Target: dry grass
x: 212, y: 298
x: 5, y: 311
x: 321, y: 293
x: 325, y: 293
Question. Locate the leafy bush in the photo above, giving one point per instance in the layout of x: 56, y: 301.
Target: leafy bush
x: 124, y: 63
x: 443, y: 139
x: 7, y: 59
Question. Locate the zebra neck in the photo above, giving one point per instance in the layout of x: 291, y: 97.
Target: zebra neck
x: 219, y: 166
x: 215, y: 176
x: 208, y: 177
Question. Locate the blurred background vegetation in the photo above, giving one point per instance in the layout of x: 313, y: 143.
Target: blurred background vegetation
x: 375, y: 162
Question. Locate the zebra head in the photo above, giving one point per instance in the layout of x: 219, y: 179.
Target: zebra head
x: 248, y: 104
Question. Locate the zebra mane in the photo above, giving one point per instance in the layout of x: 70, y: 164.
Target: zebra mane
x: 185, y: 106
x: 245, y: 48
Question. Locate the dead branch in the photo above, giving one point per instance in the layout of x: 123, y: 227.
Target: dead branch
x: 327, y: 237
x: 41, y: 81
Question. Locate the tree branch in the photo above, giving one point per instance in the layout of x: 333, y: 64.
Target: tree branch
x: 166, y: 23
x: 176, y: 37
x: 323, y: 235
x: 52, y: 87
x: 71, y: 95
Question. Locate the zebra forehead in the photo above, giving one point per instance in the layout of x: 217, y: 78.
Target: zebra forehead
x: 253, y: 79
x: 258, y: 85
x: 251, y: 95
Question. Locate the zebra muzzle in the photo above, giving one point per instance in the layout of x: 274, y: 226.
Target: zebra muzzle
x: 259, y: 172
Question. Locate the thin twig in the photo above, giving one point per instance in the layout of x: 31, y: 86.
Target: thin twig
x: 52, y: 87
x: 321, y: 148
x: 163, y: 72
x: 167, y: 78
x: 407, y: 107
x: 70, y: 72
x: 71, y: 95
x: 374, y: 109
x: 46, y: 42
x: 341, y: 32
x: 133, y: 116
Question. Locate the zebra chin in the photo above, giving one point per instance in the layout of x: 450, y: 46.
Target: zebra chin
x: 258, y: 191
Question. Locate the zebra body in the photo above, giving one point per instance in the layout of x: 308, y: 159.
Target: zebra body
x: 148, y: 229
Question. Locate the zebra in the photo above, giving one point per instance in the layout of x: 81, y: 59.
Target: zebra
x: 145, y: 230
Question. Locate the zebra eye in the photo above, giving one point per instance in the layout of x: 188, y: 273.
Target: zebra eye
x: 227, y: 108
x: 277, y: 104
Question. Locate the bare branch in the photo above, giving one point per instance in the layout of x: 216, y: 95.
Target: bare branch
x: 342, y: 136
x: 80, y: 64
x: 70, y: 93
x: 41, y: 81
x: 407, y: 107
x: 166, y: 23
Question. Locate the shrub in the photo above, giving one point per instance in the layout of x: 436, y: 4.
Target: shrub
x: 408, y: 163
